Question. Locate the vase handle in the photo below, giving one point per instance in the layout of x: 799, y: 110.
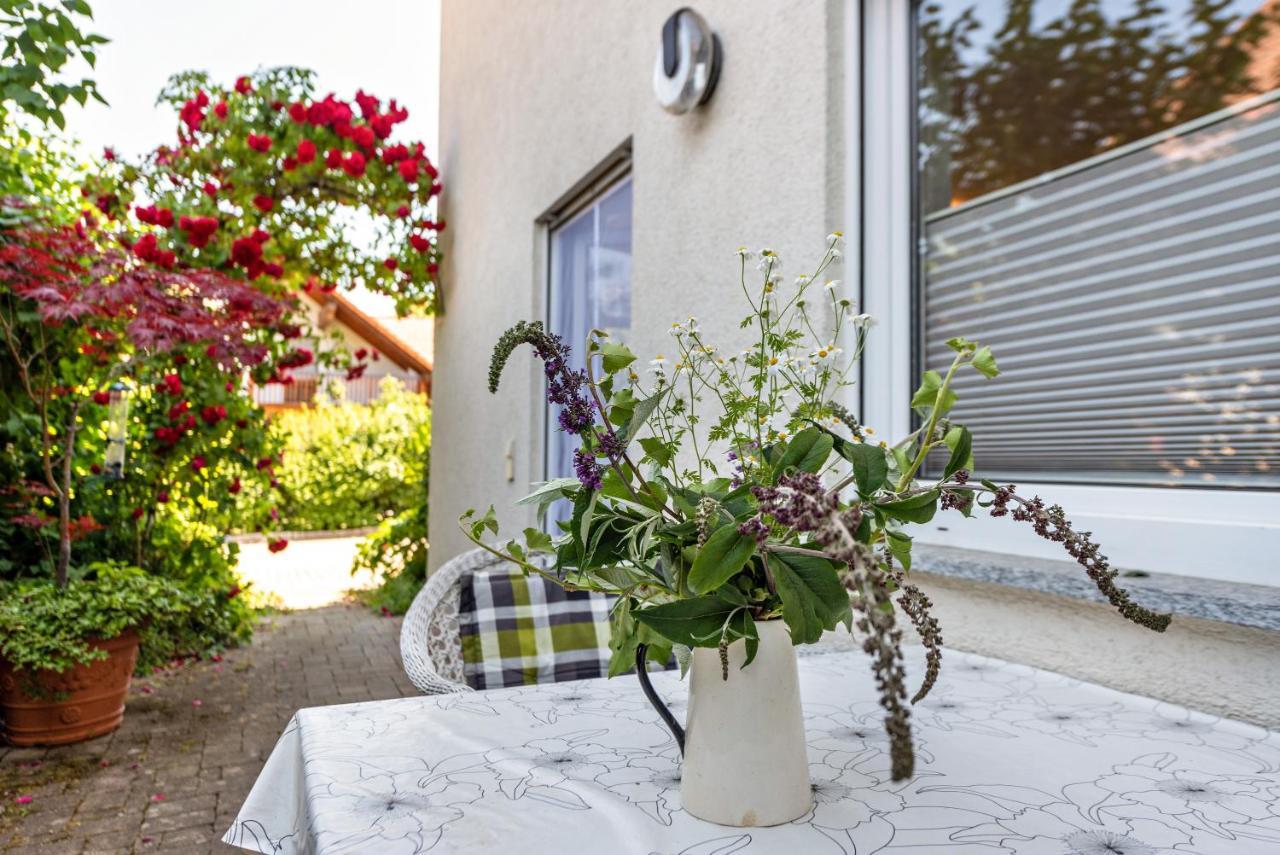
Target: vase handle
x: 642, y: 672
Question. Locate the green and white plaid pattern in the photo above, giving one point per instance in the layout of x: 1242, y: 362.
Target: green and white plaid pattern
x: 519, y: 630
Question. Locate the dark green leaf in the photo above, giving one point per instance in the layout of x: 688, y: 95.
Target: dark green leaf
x: 657, y: 450
x: 695, y: 622
x: 807, y: 451
x: 724, y: 554
x: 960, y: 442
x: 919, y: 508
x: 899, y: 545
x: 869, y: 467
x: 616, y: 357
x: 813, y: 600
x: 926, y: 397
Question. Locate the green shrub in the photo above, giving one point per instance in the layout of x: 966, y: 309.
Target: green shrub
x: 353, y: 465
x: 397, y: 551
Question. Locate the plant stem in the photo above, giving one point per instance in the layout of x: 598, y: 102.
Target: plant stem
x: 926, y: 437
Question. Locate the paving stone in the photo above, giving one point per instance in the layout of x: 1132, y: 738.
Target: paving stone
x: 203, y: 759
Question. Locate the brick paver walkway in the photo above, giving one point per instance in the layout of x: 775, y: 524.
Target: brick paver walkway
x: 173, y: 776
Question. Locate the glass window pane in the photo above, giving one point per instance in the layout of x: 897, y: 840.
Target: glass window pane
x: 590, y: 287
x: 1099, y: 185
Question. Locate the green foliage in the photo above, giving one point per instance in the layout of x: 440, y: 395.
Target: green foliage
x: 353, y: 465
x: 44, y: 627
x: 40, y: 40
x: 397, y: 551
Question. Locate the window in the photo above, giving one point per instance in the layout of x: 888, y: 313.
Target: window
x: 589, y: 288
x: 1097, y: 188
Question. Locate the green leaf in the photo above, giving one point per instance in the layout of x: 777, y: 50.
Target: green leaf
x: 657, y: 450
x: 616, y: 357
x: 985, y: 362
x: 869, y: 467
x: 807, y: 451
x: 959, y: 440
x: 550, y: 491
x: 724, y: 554
x: 899, y: 545
x: 694, y: 622
x: 813, y: 600
x: 926, y: 397
x: 919, y: 508
x: 639, y: 416
x: 901, y: 458
x: 960, y: 344
x: 538, y: 540
x: 742, y: 626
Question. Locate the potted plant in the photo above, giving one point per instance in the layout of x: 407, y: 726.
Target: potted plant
x: 736, y: 509
x: 67, y: 652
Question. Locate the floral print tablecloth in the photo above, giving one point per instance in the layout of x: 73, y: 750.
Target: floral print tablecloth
x: 1009, y: 759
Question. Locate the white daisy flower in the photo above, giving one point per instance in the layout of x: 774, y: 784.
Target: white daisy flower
x: 836, y: 239
x: 691, y: 326
x: 745, y: 253
x: 864, y: 320
x: 831, y: 285
x: 803, y: 280
x: 826, y: 355
x: 676, y: 329
x: 658, y: 365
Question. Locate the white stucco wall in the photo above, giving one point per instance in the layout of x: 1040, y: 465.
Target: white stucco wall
x: 533, y: 97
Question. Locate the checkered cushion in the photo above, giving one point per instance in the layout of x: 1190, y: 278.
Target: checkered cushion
x: 517, y: 630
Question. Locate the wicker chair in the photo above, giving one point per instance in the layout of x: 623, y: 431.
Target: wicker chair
x: 430, y: 646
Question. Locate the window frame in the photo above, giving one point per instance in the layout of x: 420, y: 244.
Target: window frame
x: 1180, y: 530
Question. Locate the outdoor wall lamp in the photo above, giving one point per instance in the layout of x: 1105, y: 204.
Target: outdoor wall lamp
x: 117, y: 430
x: 688, y: 63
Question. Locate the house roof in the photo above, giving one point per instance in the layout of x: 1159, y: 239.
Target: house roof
x: 368, y: 328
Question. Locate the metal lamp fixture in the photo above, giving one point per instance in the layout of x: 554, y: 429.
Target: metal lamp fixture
x: 117, y: 430
x: 688, y: 63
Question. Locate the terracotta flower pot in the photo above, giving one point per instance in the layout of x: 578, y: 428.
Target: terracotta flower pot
x: 71, y: 706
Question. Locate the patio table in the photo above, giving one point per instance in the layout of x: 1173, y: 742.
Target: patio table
x: 1008, y: 759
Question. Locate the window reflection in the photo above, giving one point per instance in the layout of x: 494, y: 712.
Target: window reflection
x: 1099, y: 186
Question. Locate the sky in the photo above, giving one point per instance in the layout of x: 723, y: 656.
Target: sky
x: 390, y: 48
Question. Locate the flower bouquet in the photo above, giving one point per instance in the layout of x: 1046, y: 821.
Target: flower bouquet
x: 732, y: 491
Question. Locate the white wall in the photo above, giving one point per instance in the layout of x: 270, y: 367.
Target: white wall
x: 533, y: 97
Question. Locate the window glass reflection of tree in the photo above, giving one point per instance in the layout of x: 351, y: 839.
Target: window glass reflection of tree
x: 1011, y: 89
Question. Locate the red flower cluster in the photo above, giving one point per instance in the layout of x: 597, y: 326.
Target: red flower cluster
x: 263, y: 203
x: 102, y: 397
x: 297, y: 358
x: 153, y: 216
x: 192, y: 112
x: 148, y: 249
x: 170, y: 383
x: 220, y: 109
x: 306, y: 151
x: 244, y: 85
x: 247, y: 253
x: 199, y: 230
x: 277, y: 544
x: 259, y: 142
x: 213, y: 414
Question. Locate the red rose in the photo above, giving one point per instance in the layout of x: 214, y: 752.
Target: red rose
x: 103, y: 397
x: 433, y: 268
x: 402, y: 211
x: 374, y: 355
x: 355, y: 372
x: 277, y: 106
x: 243, y: 85
x: 290, y: 163
x: 263, y: 463
x: 298, y: 113
x: 211, y: 351
x: 210, y: 189
x: 361, y: 353
x: 277, y: 545
x: 213, y: 414
x: 199, y: 229
x: 306, y: 151
x: 274, y: 483
x: 363, y: 136
x: 95, y: 469
x: 263, y: 203
x: 333, y: 158
x: 391, y: 264
x: 232, y: 593
x: 408, y: 170
x: 258, y: 142
x: 273, y: 270
x: 197, y: 463
x: 420, y: 243
x: 162, y: 497
x: 246, y: 251
x: 109, y: 153
x: 234, y: 486
x: 136, y: 513
x: 220, y: 109
x: 368, y: 104
x: 171, y: 383
x: 181, y: 359
x: 354, y: 164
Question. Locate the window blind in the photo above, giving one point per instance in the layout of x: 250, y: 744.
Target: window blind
x: 1133, y: 303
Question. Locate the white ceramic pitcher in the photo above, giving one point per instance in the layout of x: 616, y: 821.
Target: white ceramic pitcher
x: 745, y: 760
